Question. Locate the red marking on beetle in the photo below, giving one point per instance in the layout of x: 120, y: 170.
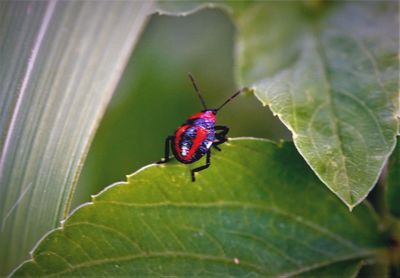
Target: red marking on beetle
x: 178, y: 137
x: 201, y: 134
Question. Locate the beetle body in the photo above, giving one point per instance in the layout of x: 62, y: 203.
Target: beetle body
x: 194, y: 139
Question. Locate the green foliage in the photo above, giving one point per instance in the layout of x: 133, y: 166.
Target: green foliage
x: 393, y: 182
x: 328, y: 70
x: 59, y: 64
x: 276, y: 222
x: 330, y: 73
x: 155, y: 96
x: 332, y: 81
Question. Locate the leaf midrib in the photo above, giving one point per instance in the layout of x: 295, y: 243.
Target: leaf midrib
x: 241, y: 206
x: 196, y: 256
x: 166, y: 254
x: 335, y: 123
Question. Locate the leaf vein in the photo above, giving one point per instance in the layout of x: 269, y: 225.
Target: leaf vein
x: 238, y: 205
x: 107, y: 228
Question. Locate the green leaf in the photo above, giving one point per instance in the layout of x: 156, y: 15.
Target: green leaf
x: 393, y: 182
x: 60, y: 62
x: 237, y: 218
x: 333, y: 82
x: 341, y: 269
x: 330, y: 72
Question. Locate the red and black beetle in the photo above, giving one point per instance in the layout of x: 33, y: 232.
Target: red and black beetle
x: 197, y: 135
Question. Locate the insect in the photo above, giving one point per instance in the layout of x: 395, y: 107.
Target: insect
x: 194, y: 139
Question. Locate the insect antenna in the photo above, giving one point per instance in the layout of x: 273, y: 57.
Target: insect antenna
x: 232, y: 97
x: 197, y: 91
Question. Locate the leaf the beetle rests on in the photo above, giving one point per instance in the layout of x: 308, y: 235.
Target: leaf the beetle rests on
x: 237, y: 219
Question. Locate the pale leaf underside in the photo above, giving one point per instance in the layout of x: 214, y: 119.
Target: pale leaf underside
x: 335, y: 88
x: 59, y: 64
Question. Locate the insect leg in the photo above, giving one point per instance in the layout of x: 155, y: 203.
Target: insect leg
x: 224, y: 128
x: 220, y: 137
x: 216, y: 146
x: 198, y: 169
x: 166, y: 158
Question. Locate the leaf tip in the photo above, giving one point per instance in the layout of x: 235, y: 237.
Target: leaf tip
x: 350, y: 207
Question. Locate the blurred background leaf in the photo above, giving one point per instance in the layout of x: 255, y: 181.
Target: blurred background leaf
x: 393, y: 182
x: 236, y: 219
x: 59, y: 64
x: 392, y: 206
x: 155, y: 96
